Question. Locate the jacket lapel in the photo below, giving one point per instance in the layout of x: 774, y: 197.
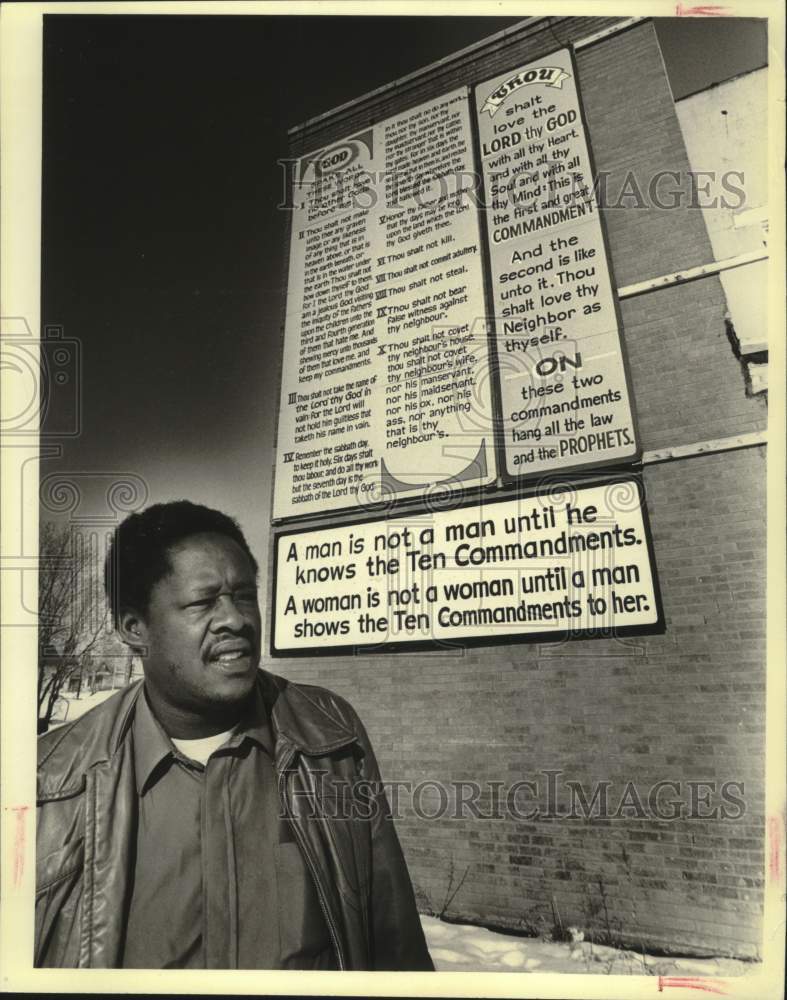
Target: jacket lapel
x: 299, y: 722
x: 314, y: 782
x: 109, y: 842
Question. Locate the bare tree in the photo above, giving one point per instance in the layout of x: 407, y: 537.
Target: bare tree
x: 72, y: 612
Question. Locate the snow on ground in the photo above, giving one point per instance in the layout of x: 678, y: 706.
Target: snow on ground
x: 464, y: 948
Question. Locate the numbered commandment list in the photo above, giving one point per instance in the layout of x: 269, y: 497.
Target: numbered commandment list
x: 385, y: 388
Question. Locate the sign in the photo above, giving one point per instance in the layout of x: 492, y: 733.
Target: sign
x: 564, y: 391
x: 385, y: 390
x: 564, y: 562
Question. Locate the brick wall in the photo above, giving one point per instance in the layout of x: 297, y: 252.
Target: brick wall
x: 683, y: 706
x: 688, y: 384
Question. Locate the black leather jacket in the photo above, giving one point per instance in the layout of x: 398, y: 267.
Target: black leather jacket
x: 86, y: 820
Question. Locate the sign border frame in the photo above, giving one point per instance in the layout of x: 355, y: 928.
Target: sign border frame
x: 446, y: 645
x: 508, y: 477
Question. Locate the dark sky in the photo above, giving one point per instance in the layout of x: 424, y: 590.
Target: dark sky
x: 162, y: 243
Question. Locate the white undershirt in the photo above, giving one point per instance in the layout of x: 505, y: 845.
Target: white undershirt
x: 200, y: 750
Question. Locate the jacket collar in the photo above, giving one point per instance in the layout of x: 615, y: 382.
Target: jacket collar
x: 152, y: 746
x: 303, y: 719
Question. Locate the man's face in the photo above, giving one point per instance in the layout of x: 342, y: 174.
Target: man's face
x: 202, y: 627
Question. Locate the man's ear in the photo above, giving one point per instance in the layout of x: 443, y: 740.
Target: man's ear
x: 132, y: 630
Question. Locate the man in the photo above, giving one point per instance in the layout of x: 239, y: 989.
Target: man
x: 213, y: 815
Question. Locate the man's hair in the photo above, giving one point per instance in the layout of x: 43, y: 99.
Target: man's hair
x: 138, y: 555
